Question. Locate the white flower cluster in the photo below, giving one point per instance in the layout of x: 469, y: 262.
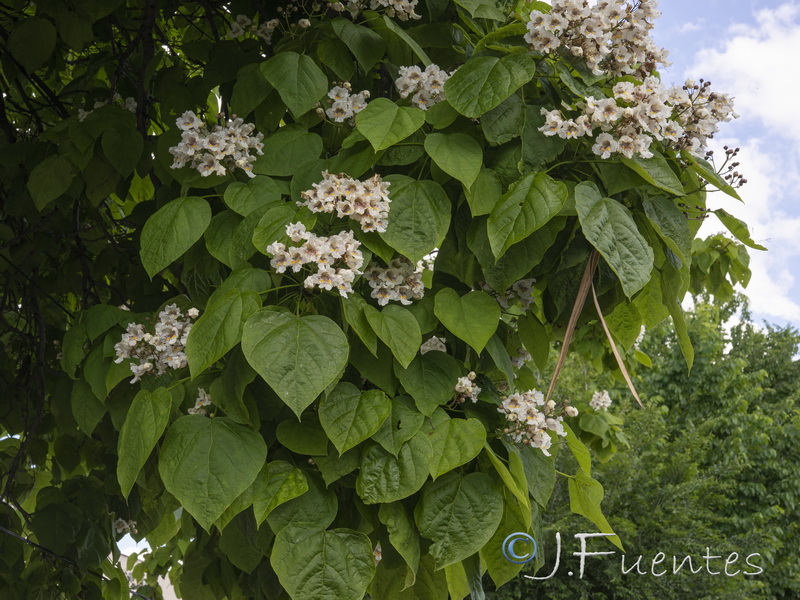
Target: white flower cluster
x: 522, y: 357
x: 217, y: 150
x: 123, y: 526
x: 322, y: 251
x: 637, y: 114
x: 364, y: 201
x: 427, y: 86
x: 434, y: 343
x: 128, y: 104
x: 402, y: 9
x: 613, y: 36
x: 345, y: 105
x: 244, y: 24
x: 639, y: 338
x: 520, y: 291
x: 529, y: 419
x: 600, y: 401
x: 401, y: 281
x: 203, y: 400
x: 161, y: 350
x: 466, y: 389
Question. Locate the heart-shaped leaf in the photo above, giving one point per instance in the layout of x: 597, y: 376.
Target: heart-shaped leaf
x: 472, y: 318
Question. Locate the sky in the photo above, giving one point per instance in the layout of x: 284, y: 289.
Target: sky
x: 747, y: 49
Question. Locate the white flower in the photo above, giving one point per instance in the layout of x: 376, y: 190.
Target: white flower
x: 600, y: 401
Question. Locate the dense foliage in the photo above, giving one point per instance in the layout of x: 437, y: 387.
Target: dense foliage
x: 279, y: 281
x: 713, y: 464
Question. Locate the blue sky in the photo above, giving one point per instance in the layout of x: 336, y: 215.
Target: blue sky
x: 747, y: 49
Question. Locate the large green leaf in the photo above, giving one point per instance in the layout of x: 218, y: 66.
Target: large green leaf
x: 483, y: 82
x: 317, y: 507
x: 171, y: 231
x: 48, y: 180
x: 384, y: 477
x: 609, y: 227
x: 472, y: 318
x: 206, y: 463
x: 297, y: 356
x: 366, y: 45
x: 283, y: 483
x: 535, y: 339
x: 250, y: 90
x: 738, y: 228
x: 398, y: 329
x: 403, y: 424
x: 244, y: 198
x: 656, y: 171
x: 430, y: 379
x: 353, y: 309
x: 457, y: 154
x: 219, y: 329
x: 499, y: 567
x: 585, y: 496
x: 484, y: 193
x: 31, y: 42
x: 671, y: 225
x: 419, y: 216
x: 455, y: 442
x: 384, y: 123
x: 540, y: 474
x: 349, y: 416
x: 146, y: 420
x: 123, y: 148
x: 403, y: 536
x: 459, y: 513
x: 336, y: 564
x: 299, y: 81
x: 528, y: 205
x: 288, y: 147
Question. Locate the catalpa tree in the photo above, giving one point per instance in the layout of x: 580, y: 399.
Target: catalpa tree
x: 281, y: 283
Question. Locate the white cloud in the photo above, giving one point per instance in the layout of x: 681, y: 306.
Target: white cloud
x: 691, y: 26
x: 751, y: 64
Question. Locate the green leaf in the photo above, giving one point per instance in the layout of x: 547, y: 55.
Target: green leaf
x: 297, y: 356
x: 284, y: 483
x: 515, y: 482
x: 535, y: 339
x: 455, y: 443
x: 419, y: 216
x: 579, y: 450
x: 221, y: 243
x: 430, y: 379
x: 482, y: 197
x: 353, y: 308
x: 655, y: 171
x: 472, y: 318
x: 384, y: 477
x: 227, y: 391
x: 398, y: 329
x: 704, y: 169
x: 672, y: 292
x: 306, y: 438
x: 609, y: 227
x: 505, y: 121
x: 317, y: 507
x: 384, y: 123
x: 671, y: 225
x: 123, y: 148
x: 585, y: 496
x: 299, y: 81
x: 244, y: 198
x: 403, y: 536
x: 540, y: 474
x: 288, y: 147
x: 483, y: 82
x: 206, y: 463
x: 501, y: 570
x: 459, y: 514
x: 87, y: 409
x: 250, y: 90
x: 146, y: 420
x: 272, y: 226
x: 31, y: 42
x: 737, y: 228
x: 457, y: 154
x: 366, y: 45
x: 219, y: 329
x: 528, y: 205
x: 171, y: 231
x: 482, y: 9
x: 407, y: 39
x: 402, y: 425
x: 625, y: 323
x: 336, y: 564
x: 48, y: 180
x: 537, y: 148
x: 350, y: 416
